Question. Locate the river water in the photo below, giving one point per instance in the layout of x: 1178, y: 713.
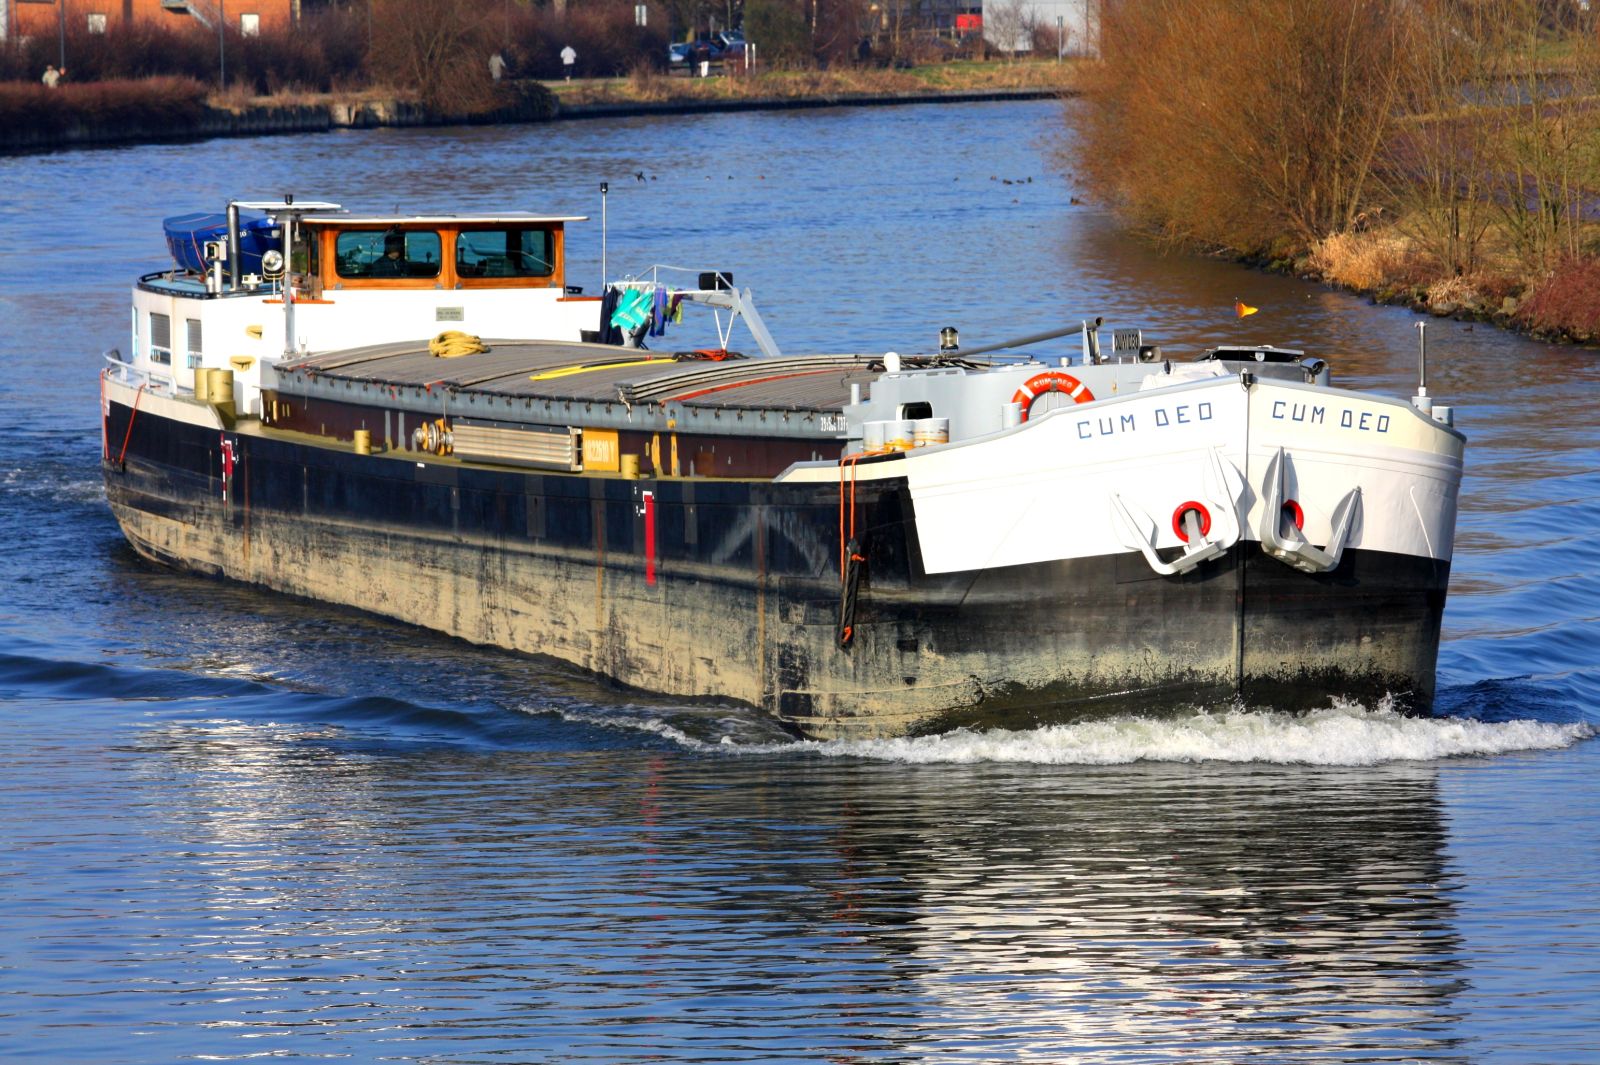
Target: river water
x: 235, y: 825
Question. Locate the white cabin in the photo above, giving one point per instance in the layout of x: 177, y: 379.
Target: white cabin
x: 353, y: 280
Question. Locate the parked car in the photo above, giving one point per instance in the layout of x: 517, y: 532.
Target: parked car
x: 687, y: 56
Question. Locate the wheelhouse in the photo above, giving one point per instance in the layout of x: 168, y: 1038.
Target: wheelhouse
x: 510, y: 251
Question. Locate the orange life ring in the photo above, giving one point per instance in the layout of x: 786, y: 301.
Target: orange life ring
x: 1053, y: 381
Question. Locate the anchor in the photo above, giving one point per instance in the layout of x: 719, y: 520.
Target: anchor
x: 1293, y: 550
x: 1137, y: 530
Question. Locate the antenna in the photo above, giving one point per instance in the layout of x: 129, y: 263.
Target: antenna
x: 604, y: 188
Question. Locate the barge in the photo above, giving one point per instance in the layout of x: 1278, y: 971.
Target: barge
x: 415, y: 416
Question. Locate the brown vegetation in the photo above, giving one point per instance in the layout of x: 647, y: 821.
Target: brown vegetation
x: 326, y: 51
x: 1566, y: 301
x: 1242, y: 124
x: 1437, y: 151
x: 150, y: 103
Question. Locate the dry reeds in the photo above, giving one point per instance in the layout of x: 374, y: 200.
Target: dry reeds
x: 1361, y: 261
x: 151, y: 103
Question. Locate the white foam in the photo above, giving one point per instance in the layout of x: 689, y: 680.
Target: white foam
x: 1343, y: 734
x: 31, y: 483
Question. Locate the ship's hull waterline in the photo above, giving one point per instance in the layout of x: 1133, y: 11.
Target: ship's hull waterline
x: 733, y: 592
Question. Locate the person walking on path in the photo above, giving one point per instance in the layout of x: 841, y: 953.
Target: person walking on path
x: 497, y: 66
x: 51, y: 76
x: 568, y: 57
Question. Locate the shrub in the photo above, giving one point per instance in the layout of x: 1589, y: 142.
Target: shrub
x: 156, y: 103
x: 1234, y: 124
x: 1567, y: 301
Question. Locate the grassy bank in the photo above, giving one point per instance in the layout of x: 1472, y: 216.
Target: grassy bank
x: 652, y: 87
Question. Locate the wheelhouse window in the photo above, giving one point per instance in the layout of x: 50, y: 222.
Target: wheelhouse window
x: 505, y: 253
x: 387, y: 253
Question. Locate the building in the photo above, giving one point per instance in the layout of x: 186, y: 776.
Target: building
x: 27, y: 18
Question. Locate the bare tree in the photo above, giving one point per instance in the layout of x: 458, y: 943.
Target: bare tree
x: 1279, y: 139
x: 440, y: 48
x: 1545, y: 129
x: 1433, y: 172
x: 1009, y: 26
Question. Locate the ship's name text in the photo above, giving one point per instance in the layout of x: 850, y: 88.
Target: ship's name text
x: 1362, y: 421
x: 1111, y: 424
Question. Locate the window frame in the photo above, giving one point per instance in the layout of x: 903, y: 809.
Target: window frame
x: 160, y: 354
x: 322, y: 264
x: 556, y: 234
x: 438, y: 280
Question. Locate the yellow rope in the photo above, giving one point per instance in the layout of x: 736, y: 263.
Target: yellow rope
x: 452, y: 343
x: 610, y: 364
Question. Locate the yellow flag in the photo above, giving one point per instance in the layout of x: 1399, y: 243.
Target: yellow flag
x: 1243, y: 309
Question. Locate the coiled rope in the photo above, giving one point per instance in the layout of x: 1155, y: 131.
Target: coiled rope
x: 452, y: 344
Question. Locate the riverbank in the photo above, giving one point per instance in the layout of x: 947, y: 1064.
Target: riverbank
x: 33, y: 118
x: 1345, y: 151
x: 1389, y: 266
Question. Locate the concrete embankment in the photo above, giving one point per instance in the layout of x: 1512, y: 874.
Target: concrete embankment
x: 533, y: 104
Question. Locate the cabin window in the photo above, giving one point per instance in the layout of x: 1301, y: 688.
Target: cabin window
x: 249, y: 25
x: 97, y: 22
x: 375, y: 253
x: 505, y: 253
x: 914, y: 411
x: 160, y: 338
x: 194, y: 341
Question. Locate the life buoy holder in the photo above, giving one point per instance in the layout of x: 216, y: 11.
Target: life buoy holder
x: 1053, y: 381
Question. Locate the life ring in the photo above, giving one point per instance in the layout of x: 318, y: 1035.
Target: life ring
x: 1053, y: 381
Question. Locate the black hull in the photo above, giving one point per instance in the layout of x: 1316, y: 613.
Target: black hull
x: 740, y: 598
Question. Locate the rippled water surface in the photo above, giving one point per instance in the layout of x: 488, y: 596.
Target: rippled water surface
x: 238, y: 826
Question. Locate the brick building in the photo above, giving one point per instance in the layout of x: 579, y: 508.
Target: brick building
x: 27, y: 18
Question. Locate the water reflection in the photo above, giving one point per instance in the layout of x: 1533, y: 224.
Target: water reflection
x: 616, y: 906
